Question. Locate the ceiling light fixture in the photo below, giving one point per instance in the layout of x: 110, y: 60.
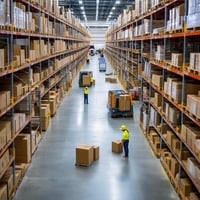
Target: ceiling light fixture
x: 117, y: 2
x: 97, y: 9
x: 80, y: 2
x: 82, y: 8
x: 113, y: 8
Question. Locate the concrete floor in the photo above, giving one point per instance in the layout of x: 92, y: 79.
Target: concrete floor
x: 53, y: 174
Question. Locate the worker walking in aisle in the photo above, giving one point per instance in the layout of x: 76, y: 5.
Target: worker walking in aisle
x: 125, y: 139
x: 86, y: 92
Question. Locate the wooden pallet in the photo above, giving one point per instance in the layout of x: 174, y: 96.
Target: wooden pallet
x: 197, y: 118
x: 193, y: 71
x: 193, y: 28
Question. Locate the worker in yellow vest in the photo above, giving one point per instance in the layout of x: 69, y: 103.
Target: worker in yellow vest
x: 125, y: 139
x: 86, y: 92
x: 91, y: 81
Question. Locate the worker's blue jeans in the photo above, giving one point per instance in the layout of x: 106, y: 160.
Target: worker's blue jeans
x: 125, y: 143
x: 85, y: 98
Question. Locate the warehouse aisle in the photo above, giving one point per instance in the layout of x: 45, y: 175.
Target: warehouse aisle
x: 53, y: 174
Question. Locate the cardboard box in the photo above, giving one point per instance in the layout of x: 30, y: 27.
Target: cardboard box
x: 3, y: 192
x: 17, y: 89
x: 84, y: 154
x: 193, y: 196
x: 170, y: 137
x: 8, y: 180
x: 158, y: 99
x: 124, y: 102
x: 107, y: 79
x: 22, y: 148
x: 185, y: 186
x: 45, y: 123
x: 86, y: 80
x: 96, y: 152
x: 174, y: 167
x: 117, y: 146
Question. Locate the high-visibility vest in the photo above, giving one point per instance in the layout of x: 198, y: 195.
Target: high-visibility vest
x: 91, y: 79
x: 125, y: 135
x: 86, y: 91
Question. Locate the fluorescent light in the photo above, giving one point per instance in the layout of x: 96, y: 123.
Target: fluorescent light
x: 82, y: 8
x: 83, y: 12
x: 80, y: 2
x: 113, y: 8
x: 111, y: 13
x: 117, y: 2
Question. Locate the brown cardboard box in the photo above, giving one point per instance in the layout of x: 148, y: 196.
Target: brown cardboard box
x: 3, y: 192
x: 45, y: 123
x: 96, y: 152
x: 174, y: 167
x: 107, y: 79
x: 184, y: 132
x: 158, y: 99
x: 17, y: 89
x: 8, y: 180
x: 84, y: 154
x: 2, y: 63
x: 170, y: 137
x: 177, y: 91
x: 44, y: 111
x: 22, y: 148
x: 193, y: 196
x: 86, y: 80
x: 2, y: 100
x: 117, y: 146
x: 113, y: 80
x: 185, y: 186
x: 124, y: 102
x: 185, y: 154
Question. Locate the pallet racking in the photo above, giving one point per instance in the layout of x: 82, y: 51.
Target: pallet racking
x: 166, y: 38
x: 42, y: 49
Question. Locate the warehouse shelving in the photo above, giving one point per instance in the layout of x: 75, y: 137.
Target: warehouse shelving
x: 165, y: 52
x: 42, y: 52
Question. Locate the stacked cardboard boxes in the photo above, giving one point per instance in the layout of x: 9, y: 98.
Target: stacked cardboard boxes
x: 3, y: 192
x: 124, y: 102
x: 86, y: 154
x: 157, y: 80
x: 195, y: 61
x: 8, y: 180
x: 22, y: 148
x: 45, y: 115
x: 177, y: 59
x: 4, y: 160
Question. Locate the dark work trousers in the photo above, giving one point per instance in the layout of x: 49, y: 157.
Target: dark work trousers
x: 125, y: 143
x: 85, y: 98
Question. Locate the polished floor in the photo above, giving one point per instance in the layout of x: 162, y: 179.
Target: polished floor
x: 53, y: 174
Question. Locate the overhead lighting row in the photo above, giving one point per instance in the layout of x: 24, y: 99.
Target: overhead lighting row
x: 83, y: 10
x: 113, y: 8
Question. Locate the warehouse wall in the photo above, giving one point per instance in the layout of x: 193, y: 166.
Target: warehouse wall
x: 98, y: 31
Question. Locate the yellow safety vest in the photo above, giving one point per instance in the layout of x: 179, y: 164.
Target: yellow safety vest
x: 91, y: 79
x: 86, y: 91
x: 125, y: 135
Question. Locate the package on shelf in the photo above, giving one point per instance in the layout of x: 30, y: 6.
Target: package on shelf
x: 157, y: 99
x: 176, y: 92
x: 19, y: 121
x: 2, y: 58
x: 4, y: 160
x: 195, y: 61
x: 22, y: 148
x: 19, y: 15
x: 7, y: 124
x: 4, y: 99
x: 193, y: 14
x: 154, y: 137
x: 168, y: 85
x: 174, y: 167
x: 185, y: 186
x: 193, y: 104
x: 177, y: 59
x: 175, y: 18
x: 35, y: 46
x: 8, y: 180
x: 157, y: 80
x: 3, y: 135
x: 3, y: 191
x: 145, y: 121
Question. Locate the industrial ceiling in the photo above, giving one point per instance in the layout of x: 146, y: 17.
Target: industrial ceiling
x: 96, y: 10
